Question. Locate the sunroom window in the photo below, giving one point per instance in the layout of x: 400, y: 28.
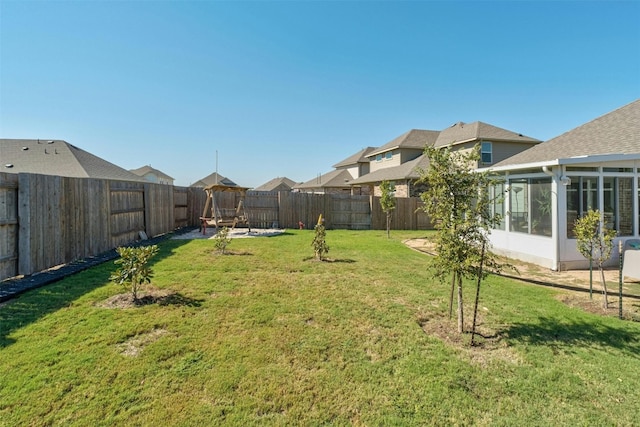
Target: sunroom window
x: 618, y: 205
x: 531, y: 206
x: 582, y: 196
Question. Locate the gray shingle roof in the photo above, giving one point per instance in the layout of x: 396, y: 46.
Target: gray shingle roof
x: 414, y: 139
x: 617, y: 132
x: 214, y: 178
x: 407, y: 170
x: 148, y: 169
x: 335, y: 179
x: 275, y: 183
x: 467, y: 132
x: 359, y: 157
x: 57, y: 157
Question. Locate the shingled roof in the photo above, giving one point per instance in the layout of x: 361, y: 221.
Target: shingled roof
x: 359, y: 157
x: 59, y: 158
x: 335, y: 179
x: 615, y: 133
x: 414, y: 139
x: 461, y: 133
x: 407, y: 170
x: 142, y: 171
x: 279, y: 183
x: 214, y: 178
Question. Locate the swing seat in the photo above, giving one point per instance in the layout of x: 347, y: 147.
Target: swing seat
x: 223, y: 217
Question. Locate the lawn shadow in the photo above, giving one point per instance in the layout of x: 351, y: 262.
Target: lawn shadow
x: 44, y: 293
x: 329, y: 260
x: 179, y: 299
x: 230, y: 253
x: 564, y: 336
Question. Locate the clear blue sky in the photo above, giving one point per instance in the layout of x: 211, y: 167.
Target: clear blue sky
x: 290, y: 88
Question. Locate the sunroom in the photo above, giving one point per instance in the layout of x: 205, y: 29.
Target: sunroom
x: 548, y: 187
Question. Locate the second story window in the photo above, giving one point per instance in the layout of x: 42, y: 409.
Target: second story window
x: 378, y: 157
x: 388, y: 155
x: 486, y: 153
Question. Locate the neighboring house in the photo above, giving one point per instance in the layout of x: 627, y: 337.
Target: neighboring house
x: 214, y: 178
x: 340, y: 179
x: 594, y: 166
x: 277, y: 184
x: 153, y: 175
x: 334, y: 182
x: 57, y: 157
x: 496, y: 144
x: 398, y: 161
x: 401, y: 160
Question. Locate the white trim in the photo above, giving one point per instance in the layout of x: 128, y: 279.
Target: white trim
x: 599, y: 158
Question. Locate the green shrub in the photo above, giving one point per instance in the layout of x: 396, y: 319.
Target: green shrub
x: 319, y: 243
x: 221, y: 240
x: 134, y: 271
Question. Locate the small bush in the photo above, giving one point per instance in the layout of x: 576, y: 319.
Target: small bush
x: 319, y: 240
x: 221, y: 240
x: 134, y: 271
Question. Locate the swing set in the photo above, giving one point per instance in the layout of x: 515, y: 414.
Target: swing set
x: 214, y: 215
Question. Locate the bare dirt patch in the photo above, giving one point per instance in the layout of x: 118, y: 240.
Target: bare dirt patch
x: 595, y: 305
x: 488, y: 345
x: 149, y: 296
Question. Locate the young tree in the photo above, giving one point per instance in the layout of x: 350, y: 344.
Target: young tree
x: 388, y: 201
x: 458, y: 203
x: 134, y: 271
x: 221, y: 240
x: 595, y: 242
x: 319, y: 243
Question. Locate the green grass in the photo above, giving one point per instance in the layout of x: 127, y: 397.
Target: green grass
x: 268, y: 336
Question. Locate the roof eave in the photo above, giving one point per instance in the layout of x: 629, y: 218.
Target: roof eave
x: 374, y: 153
x: 576, y: 160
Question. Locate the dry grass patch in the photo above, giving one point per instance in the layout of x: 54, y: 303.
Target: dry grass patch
x: 134, y: 345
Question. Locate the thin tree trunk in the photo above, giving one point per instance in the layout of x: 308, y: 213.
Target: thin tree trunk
x: 460, y: 308
x: 388, y: 224
x: 475, y: 307
x: 453, y: 286
x: 605, y: 303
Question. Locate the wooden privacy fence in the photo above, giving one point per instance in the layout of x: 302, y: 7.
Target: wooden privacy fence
x: 50, y: 220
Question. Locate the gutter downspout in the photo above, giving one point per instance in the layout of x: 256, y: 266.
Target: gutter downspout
x: 554, y: 217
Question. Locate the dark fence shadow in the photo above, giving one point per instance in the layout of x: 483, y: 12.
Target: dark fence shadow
x: 565, y: 336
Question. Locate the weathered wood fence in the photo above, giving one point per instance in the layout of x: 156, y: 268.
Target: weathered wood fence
x: 49, y: 220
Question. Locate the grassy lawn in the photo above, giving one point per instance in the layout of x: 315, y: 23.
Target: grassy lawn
x: 268, y: 336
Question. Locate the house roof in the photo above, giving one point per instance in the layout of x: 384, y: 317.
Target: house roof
x: 462, y: 132
x: 57, y: 157
x: 275, y: 183
x: 214, y: 178
x: 407, y: 170
x: 338, y: 178
x: 142, y: 171
x: 359, y: 157
x: 414, y: 139
x: 615, y: 133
